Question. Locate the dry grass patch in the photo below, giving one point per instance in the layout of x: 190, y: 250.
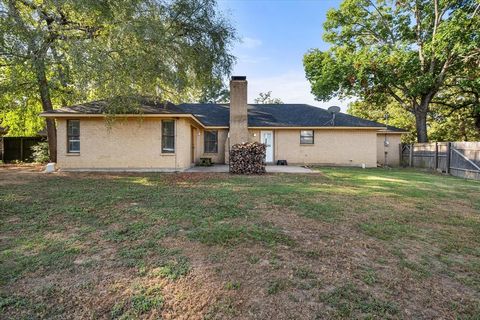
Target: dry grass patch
x: 345, y: 243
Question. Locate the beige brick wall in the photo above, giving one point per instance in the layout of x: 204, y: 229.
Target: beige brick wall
x: 393, y: 149
x: 128, y: 143
x: 135, y: 143
x: 332, y: 147
x: 254, y: 135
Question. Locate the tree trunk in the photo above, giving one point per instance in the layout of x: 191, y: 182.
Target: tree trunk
x: 47, y: 106
x: 421, y: 125
x: 421, y: 110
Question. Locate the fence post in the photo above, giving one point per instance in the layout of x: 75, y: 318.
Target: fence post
x: 449, y: 155
x: 436, y: 156
x: 410, y: 158
x: 400, y: 154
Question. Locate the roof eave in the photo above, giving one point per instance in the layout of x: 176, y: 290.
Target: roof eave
x: 315, y: 127
x: 136, y: 115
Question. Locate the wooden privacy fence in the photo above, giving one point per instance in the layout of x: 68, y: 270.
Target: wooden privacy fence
x: 18, y: 148
x: 461, y: 159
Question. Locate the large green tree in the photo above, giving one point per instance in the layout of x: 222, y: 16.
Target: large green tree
x: 444, y: 123
x: 406, y: 50
x: 462, y: 92
x: 57, y: 52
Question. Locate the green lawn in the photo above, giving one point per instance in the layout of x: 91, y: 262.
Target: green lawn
x: 343, y: 243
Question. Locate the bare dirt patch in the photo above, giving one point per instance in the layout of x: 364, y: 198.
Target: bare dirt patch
x: 215, y: 246
x: 18, y: 174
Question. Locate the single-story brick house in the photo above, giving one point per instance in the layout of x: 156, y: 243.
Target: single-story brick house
x: 164, y: 136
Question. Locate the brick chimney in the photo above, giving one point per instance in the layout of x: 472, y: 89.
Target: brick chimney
x: 238, y: 110
x: 238, y: 114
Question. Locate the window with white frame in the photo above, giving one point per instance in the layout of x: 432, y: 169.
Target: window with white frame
x: 306, y: 137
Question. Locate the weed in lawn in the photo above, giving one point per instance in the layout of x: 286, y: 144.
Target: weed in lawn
x: 168, y: 231
x: 387, y: 229
x: 141, y: 302
x: 275, y: 262
x: 324, y: 211
x: 229, y: 234
x: 35, y: 253
x: 132, y: 257
x: 303, y: 273
x: 253, y: 259
x: 174, y: 268
x: 224, y: 308
x: 232, y: 285
x: 117, y: 310
x: 466, y: 311
x: 311, y: 254
x: 308, y: 284
x: 12, y: 301
x: 368, y: 276
x: 277, y: 285
x: 349, y: 301
x: 130, y: 232
x: 145, y: 253
x: 420, y: 269
x: 217, y: 257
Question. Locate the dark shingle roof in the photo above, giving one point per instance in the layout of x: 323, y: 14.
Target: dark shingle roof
x: 278, y: 115
x: 302, y: 115
x: 259, y: 115
x: 209, y: 114
x: 139, y: 106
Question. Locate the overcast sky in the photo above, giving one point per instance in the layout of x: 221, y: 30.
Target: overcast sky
x: 275, y: 35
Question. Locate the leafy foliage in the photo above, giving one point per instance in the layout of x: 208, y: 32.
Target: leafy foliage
x: 59, y: 52
x: 408, y: 51
x: 397, y: 116
x: 266, y: 98
x: 217, y: 92
x: 40, y: 152
x: 444, y: 124
x: 22, y: 119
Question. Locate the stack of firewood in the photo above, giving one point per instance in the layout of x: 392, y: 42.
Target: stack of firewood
x: 247, y: 158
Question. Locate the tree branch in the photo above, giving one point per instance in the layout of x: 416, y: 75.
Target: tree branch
x: 383, y: 20
x: 399, y: 99
x: 418, y: 32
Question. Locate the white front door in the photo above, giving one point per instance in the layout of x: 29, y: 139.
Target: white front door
x: 267, y: 139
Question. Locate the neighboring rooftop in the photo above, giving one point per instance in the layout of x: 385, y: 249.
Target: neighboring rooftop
x: 211, y: 114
